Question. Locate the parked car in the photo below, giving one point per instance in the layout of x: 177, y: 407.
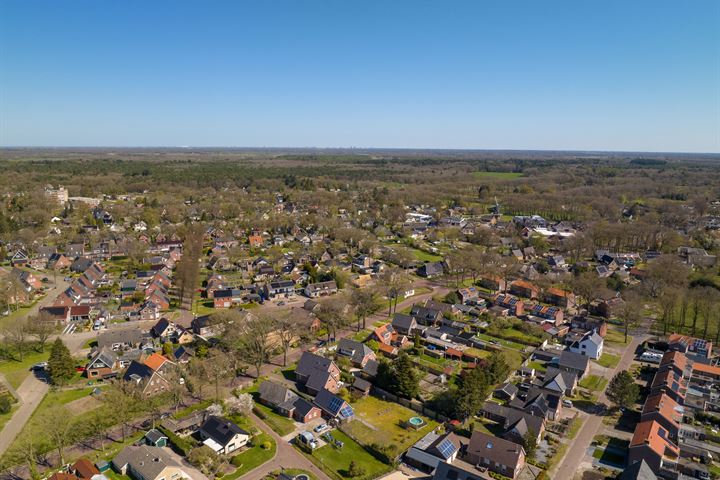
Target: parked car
x: 321, y: 428
x: 567, y: 403
x: 39, y: 366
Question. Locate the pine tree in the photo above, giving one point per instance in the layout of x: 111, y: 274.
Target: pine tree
x: 623, y: 391
x: 60, y: 364
x: 471, y: 393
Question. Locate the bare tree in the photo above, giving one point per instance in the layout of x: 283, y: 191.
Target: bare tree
x: 58, y: 425
x: 17, y: 335
x: 252, y: 347
x: 123, y: 400
x: 332, y: 315
x: 364, y: 303
x: 41, y: 328
x: 287, y: 331
x: 631, y: 312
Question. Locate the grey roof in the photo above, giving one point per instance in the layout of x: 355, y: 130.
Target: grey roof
x: 154, y: 435
x: 403, y: 321
x: 275, y: 393
x: 573, y: 360
x: 569, y: 378
x: 362, y: 384
x: 145, y: 460
x: 106, y: 356
x: 496, y: 449
x: 310, y: 363
x: 508, y: 388
x: 637, y: 471
x: 523, y: 422
x: 302, y: 406
x: 221, y: 429
x: 357, y: 351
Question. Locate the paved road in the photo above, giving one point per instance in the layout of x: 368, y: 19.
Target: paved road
x: 570, y: 464
x: 31, y: 391
x: 285, y: 457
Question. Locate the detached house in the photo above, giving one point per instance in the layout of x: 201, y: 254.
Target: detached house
x: 333, y: 407
x: 280, y: 288
x: 222, y: 435
x: 559, y: 297
x: 317, y: 373
x: 321, y: 289
x: 148, y: 463
x: 104, y: 364
x: 286, y: 402
x: 358, y: 353
x: 496, y: 454
x: 590, y: 345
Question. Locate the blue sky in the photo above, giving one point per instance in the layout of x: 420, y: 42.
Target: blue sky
x: 511, y: 74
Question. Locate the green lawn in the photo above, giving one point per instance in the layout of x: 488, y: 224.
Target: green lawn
x: 387, y: 418
x: 501, y: 341
x: 614, y: 336
x: 336, y: 461
x: 537, y: 365
x: 254, y: 456
x: 423, y: 256
x: 15, y: 371
x: 609, y: 360
x: 594, y: 383
x: 361, y: 336
x: 498, y: 175
x: 609, y: 456
x: 280, y: 425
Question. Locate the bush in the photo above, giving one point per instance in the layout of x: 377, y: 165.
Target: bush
x: 259, y: 413
x: 5, y: 403
x: 237, y: 461
x: 266, y: 445
x: 182, y: 446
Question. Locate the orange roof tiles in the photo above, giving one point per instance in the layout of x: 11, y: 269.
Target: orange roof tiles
x: 155, y: 361
x: 651, y: 433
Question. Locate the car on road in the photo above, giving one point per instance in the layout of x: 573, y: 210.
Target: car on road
x: 321, y: 428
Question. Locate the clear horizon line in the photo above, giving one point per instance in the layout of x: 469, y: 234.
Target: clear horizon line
x: 459, y: 149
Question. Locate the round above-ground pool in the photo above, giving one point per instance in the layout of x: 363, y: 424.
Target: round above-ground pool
x: 302, y: 476
x: 415, y: 422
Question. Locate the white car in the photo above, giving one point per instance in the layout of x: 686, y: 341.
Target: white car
x: 567, y: 403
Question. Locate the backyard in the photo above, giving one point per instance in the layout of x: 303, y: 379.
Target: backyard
x: 382, y: 423
x: 336, y: 460
x: 594, y: 383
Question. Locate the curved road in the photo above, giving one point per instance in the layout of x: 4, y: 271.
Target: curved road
x: 285, y: 457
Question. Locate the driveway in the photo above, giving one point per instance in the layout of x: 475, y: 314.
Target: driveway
x: 285, y: 457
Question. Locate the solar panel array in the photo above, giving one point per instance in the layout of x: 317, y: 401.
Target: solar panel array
x: 335, y: 404
x: 346, y: 411
x: 446, y: 448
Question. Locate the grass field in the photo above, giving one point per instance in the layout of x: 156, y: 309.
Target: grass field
x: 254, y: 456
x: 615, y: 336
x: 280, y: 425
x: 593, y: 383
x: 422, y: 256
x: 498, y: 175
x: 609, y: 360
x: 336, y: 461
x: 501, y: 341
x: 537, y: 365
x: 15, y: 371
x: 387, y: 419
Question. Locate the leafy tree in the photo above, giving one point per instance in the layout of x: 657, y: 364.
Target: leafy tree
x: 398, y: 377
x: 355, y: 470
x: 167, y: 349
x: 497, y: 368
x: 5, y: 404
x: 622, y: 390
x: 471, y: 392
x: 61, y: 366
x: 529, y: 443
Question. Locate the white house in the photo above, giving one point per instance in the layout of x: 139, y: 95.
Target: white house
x: 591, y: 345
x: 222, y: 435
